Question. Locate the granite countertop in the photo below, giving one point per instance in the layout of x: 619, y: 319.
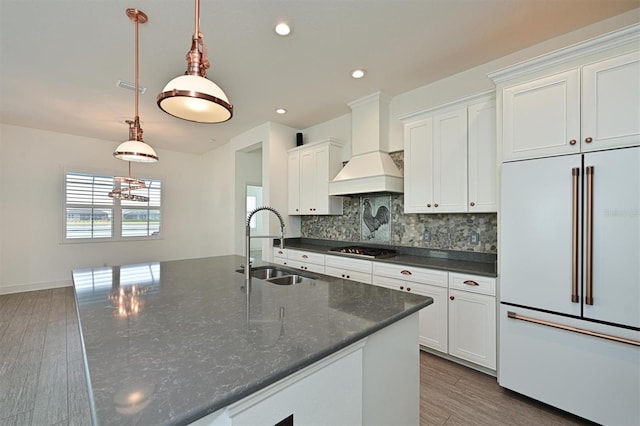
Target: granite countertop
x: 198, y: 344
x: 453, y: 261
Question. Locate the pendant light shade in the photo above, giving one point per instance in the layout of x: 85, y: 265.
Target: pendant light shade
x: 192, y: 96
x: 135, y: 149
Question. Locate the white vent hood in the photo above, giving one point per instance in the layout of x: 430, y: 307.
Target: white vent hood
x: 370, y: 168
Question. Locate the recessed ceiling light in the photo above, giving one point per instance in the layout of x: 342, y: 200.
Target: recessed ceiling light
x: 281, y: 110
x: 283, y: 29
x: 359, y: 73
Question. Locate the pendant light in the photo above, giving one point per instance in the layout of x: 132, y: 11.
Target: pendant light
x: 135, y: 149
x: 192, y: 96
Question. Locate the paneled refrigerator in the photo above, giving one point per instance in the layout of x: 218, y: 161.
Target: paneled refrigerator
x: 570, y: 283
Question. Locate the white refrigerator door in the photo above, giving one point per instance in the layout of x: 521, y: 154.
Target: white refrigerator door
x: 616, y: 236
x: 536, y: 236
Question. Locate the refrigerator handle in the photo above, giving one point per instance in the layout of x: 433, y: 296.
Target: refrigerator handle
x: 575, y: 231
x: 589, y: 170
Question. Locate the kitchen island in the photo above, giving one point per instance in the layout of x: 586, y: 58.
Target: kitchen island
x: 180, y: 342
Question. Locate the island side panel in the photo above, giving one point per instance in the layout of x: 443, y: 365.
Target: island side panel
x: 391, y: 375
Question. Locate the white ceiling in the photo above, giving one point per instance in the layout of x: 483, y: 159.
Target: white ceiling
x: 60, y: 60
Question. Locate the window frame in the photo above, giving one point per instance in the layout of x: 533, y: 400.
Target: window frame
x: 117, y: 210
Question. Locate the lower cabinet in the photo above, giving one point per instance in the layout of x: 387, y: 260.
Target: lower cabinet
x: 304, y: 260
x: 461, y: 322
x: 425, y: 282
x: 349, y: 269
x: 472, y: 319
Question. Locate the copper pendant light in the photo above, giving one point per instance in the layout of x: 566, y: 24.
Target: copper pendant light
x: 192, y: 96
x: 135, y: 149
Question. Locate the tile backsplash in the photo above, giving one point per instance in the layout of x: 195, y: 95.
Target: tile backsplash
x: 450, y: 231
x: 477, y: 232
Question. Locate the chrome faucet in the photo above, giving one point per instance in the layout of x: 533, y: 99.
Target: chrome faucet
x: 247, y: 260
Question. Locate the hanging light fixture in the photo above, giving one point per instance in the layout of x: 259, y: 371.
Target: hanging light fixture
x: 127, y: 185
x: 192, y: 96
x: 135, y: 149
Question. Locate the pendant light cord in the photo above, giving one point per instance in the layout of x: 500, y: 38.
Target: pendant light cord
x: 137, y: 68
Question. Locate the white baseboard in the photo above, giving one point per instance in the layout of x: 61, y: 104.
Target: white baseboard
x: 34, y: 286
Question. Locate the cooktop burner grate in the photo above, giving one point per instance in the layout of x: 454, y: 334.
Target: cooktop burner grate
x: 371, y: 252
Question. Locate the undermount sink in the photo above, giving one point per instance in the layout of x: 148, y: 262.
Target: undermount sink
x: 286, y: 280
x: 277, y: 275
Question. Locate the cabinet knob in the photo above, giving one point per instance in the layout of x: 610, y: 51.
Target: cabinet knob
x: 304, y: 256
x: 572, y: 142
x: 472, y: 204
x: 405, y: 272
x: 435, y: 205
x: 428, y: 205
x: 471, y: 282
x: 588, y: 140
x: 408, y: 288
x: 342, y: 275
x: 451, y: 297
x: 348, y: 276
x: 296, y: 209
x: 401, y: 287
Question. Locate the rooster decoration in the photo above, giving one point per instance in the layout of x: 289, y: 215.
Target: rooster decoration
x: 374, y: 222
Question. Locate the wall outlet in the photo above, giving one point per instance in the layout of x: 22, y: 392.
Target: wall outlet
x: 474, y: 238
x: 426, y: 236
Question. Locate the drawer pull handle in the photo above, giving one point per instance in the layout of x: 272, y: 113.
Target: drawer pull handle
x: 471, y: 282
x: 588, y: 140
x: 451, y: 298
x: 572, y: 142
x: 405, y: 272
x: 304, y: 256
x: 513, y: 315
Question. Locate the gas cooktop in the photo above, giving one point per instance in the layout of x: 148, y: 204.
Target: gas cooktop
x: 362, y: 251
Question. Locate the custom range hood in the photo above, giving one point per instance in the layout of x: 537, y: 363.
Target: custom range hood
x: 370, y: 169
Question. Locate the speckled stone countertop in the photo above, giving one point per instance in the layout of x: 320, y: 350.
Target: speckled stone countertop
x: 448, y: 260
x: 198, y: 344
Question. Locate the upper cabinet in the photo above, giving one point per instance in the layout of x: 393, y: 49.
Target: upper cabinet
x: 450, y: 162
x: 310, y: 168
x: 583, y: 98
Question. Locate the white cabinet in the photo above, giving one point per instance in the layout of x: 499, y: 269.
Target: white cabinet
x: 280, y: 256
x: 472, y: 319
x: 310, y: 168
x: 348, y: 268
x: 450, y: 163
x: 482, y: 157
x: 426, y: 282
x: 305, y: 260
x: 587, y: 108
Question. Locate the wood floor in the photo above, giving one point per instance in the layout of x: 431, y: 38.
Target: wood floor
x: 42, y: 380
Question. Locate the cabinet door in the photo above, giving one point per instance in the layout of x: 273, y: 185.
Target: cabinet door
x: 321, y: 188
x: 450, y: 162
x: 542, y: 117
x: 293, y: 183
x: 482, y: 179
x: 418, y: 166
x: 472, y: 327
x: 611, y: 103
x: 433, y: 318
x: 307, y: 182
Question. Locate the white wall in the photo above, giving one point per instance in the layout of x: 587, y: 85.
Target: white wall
x: 32, y: 164
x: 475, y: 80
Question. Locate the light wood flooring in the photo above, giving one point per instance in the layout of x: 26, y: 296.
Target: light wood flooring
x: 42, y: 379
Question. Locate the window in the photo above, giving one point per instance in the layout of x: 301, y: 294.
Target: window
x: 90, y: 214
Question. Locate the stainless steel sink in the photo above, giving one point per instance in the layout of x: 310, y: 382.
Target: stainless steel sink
x: 277, y: 275
x: 286, y: 280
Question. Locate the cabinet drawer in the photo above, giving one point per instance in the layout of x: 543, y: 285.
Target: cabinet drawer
x: 411, y: 273
x: 472, y: 283
x: 278, y: 252
x: 362, y: 277
x: 305, y: 256
x: 305, y: 266
x: 345, y: 263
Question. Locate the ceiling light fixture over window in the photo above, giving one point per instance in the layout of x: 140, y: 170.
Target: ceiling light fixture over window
x: 359, y: 73
x: 283, y: 29
x: 135, y: 149
x: 192, y: 96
